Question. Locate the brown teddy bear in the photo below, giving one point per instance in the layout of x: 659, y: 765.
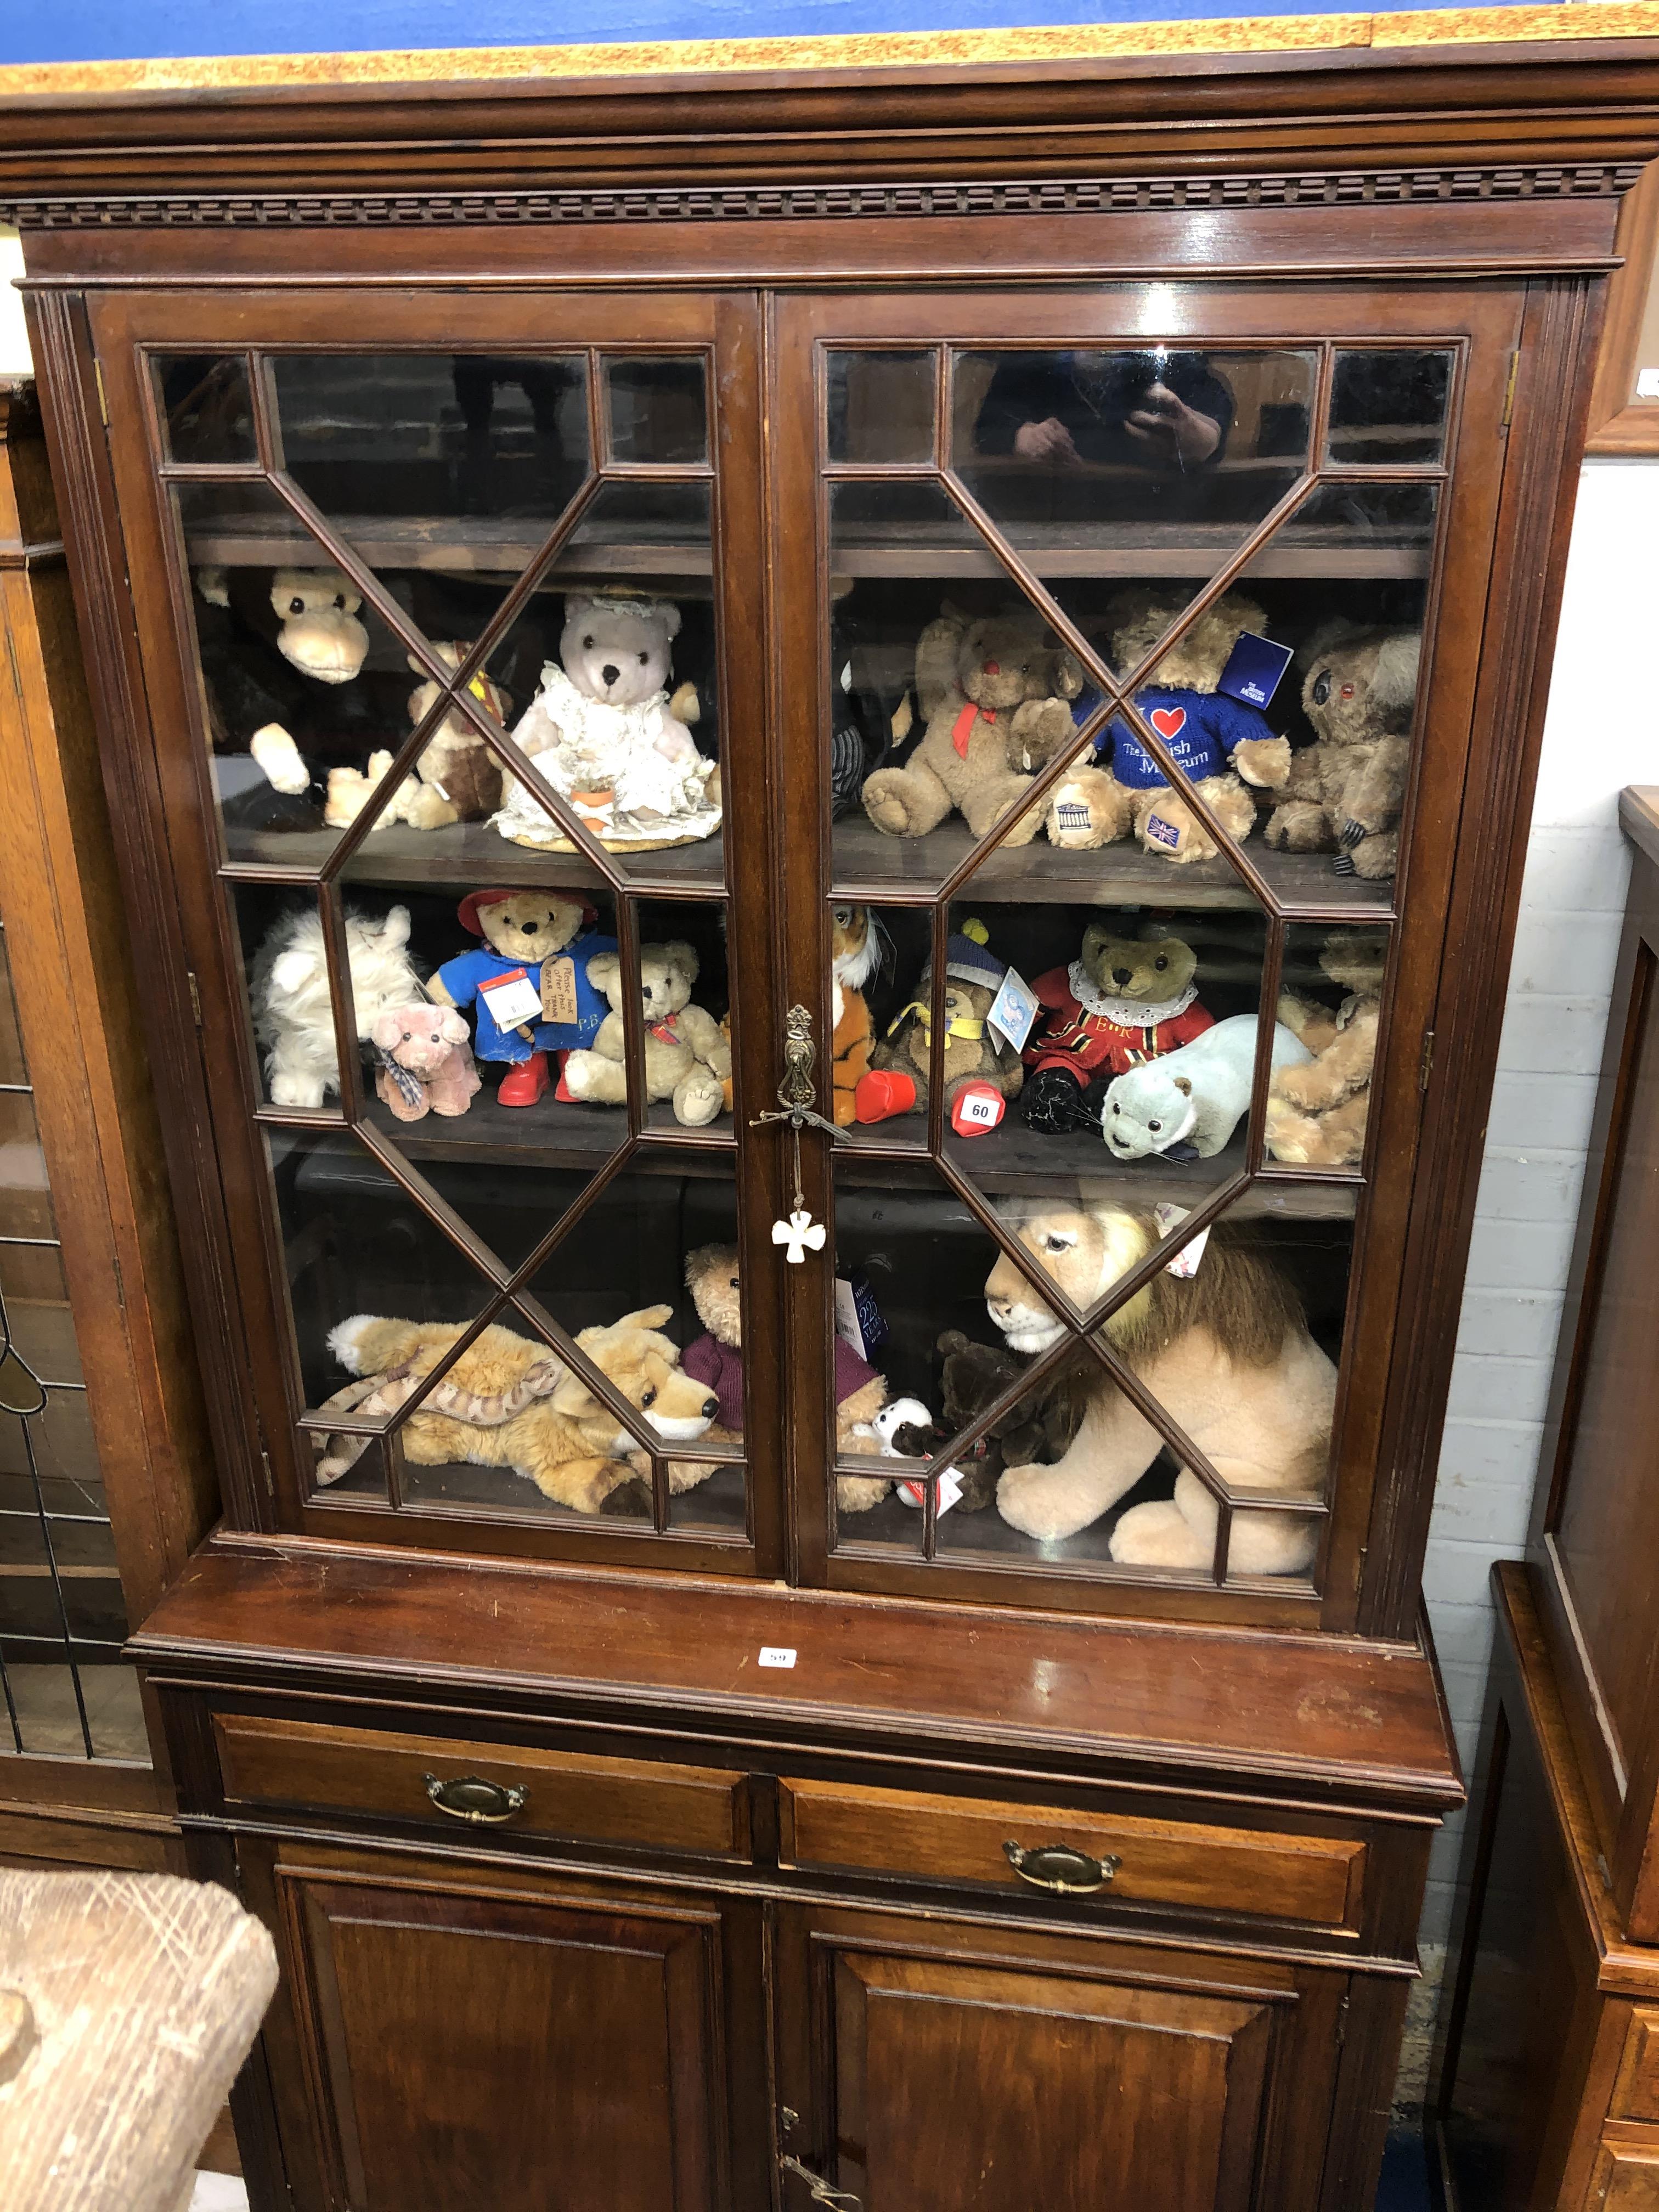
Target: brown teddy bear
x: 716, y: 1359
x: 996, y: 700
x: 897, y: 1084
x: 1343, y: 792
x: 1316, y: 1111
x: 971, y: 1376
x: 1220, y: 743
x: 1121, y: 1002
x: 687, y: 1058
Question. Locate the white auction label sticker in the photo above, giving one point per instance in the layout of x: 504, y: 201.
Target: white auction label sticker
x: 513, y: 999
x: 777, y: 1655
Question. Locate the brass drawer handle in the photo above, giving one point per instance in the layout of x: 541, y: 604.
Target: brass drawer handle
x: 818, y: 2188
x: 1057, y: 1868
x: 470, y: 1798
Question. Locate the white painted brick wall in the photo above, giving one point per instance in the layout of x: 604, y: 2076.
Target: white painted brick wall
x: 1601, y: 733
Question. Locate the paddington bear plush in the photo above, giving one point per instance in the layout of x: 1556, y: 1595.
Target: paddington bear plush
x: 1036, y: 1429
x: 1316, y: 1112
x: 1121, y: 1002
x: 973, y: 1053
x: 716, y: 1357
x: 530, y: 982
x: 1221, y: 744
x: 687, y: 1057
x: 996, y: 700
x: 1344, y: 793
x: 288, y: 699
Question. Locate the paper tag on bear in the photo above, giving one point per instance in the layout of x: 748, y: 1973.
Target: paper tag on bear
x: 1254, y: 668
x: 1163, y: 832
x: 512, y: 998
x: 1185, y: 1262
x: 950, y: 1489
x: 1013, y: 1010
x: 858, y: 1317
x: 559, y: 990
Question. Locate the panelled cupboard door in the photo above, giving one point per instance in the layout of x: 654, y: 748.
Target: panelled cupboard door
x: 455, y: 2037
x: 445, y: 604
x: 1146, y: 622
x: 938, y: 2069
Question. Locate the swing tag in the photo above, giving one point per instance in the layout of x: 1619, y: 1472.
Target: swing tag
x: 1013, y: 1010
x: 1185, y: 1262
x: 950, y: 1489
x: 512, y: 998
x: 559, y: 990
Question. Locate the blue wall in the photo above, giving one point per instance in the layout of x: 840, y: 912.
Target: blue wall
x: 97, y: 30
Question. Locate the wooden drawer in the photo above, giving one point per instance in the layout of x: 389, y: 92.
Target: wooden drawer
x: 1626, y: 2178
x: 1307, y: 1878
x: 1635, y: 2091
x: 571, y: 1794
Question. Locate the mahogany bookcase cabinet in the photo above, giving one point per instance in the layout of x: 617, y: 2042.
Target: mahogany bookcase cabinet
x: 706, y: 1821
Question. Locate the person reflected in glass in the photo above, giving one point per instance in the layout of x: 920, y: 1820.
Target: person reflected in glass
x: 1162, y: 409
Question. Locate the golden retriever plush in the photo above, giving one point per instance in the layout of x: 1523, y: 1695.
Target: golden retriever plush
x: 510, y: 1402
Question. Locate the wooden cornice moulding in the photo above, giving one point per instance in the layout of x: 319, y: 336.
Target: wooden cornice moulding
x: 1294, y: 126
x: 1098, y: 196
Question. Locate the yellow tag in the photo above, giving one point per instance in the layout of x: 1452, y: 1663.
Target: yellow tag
x: 480, y: 690
x: 559, y: 990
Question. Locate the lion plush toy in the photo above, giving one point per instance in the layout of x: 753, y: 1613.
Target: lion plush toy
x: 1220, y: 743
x: 716, y: 1357
x: 1344, y: 793
x: 993, y: 696
x: 687, y: 1058
x: 1225, y: 1353
x: 509, y: 1402
x: 1121, y: 1002
x: 1316, y: 1113
x: 897, y: 1084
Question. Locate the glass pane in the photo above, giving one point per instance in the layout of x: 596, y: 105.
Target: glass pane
x: 659, y: 409
x: 1344, y: 583
x: 880, y: 1008
x: 1331, y: 996
x: 1390, y: 406
x: 303, y: 682
x: 207, y: 416
x: 436, y: 457
x: 12, y: 1069
x: 623, y: 718
x: 37, y: 1312
x: 1109, y: 463
x: 25, y: 1199
x: 880, y: 406
x: 947, y: 690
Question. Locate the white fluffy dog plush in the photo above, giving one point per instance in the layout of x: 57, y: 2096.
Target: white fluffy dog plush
x: 292, y: 1016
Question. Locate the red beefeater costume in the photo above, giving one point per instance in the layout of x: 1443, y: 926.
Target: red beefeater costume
x: 1089, y: 1032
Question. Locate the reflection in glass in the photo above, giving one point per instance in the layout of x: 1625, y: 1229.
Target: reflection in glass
x: 207, y: 417
x: 1331, y: 995
x: 658, y: 410
x: 1086, y: 458
x: 879, y: 407
x: 1389, y: 407
x: 398, y: 438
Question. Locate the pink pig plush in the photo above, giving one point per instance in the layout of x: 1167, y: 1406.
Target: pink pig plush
x: 426, y: 1061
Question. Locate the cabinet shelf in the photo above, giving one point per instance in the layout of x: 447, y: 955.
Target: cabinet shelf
x: 872, y: 867
x: 1015, y: 1161
x: 468, y: 855
x: 555, y: 1134
x: 505, y: 547
x: 716, y: 1508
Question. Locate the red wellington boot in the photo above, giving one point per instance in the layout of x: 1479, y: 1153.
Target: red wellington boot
x: 525, y: 1083
x: 884, y: 1092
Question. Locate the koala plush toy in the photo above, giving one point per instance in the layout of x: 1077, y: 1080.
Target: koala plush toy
x: 687, y: 1058
x: 600, y: 731
x: 1344, y: 790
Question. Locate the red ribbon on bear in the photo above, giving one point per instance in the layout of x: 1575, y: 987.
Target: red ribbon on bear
x: 963, y: 729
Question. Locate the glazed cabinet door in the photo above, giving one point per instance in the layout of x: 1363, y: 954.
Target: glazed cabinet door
x: 927, y: 2069
x: 1144, y: 637
x: 444, y: 606
x: 446, y: 2036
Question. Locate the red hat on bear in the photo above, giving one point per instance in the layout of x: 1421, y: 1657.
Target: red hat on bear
x: 474, y: 902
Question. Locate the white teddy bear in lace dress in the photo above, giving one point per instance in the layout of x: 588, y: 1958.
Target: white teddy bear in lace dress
x: 600, y: 731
